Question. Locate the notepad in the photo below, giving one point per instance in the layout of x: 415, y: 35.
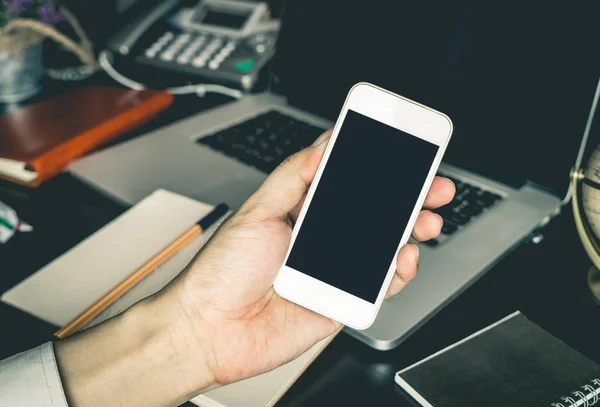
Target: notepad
x: 61, y: 290
x: 70, y: 283
x: 513, y: 362
x: 38, y: 141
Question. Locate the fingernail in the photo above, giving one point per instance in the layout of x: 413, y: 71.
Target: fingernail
x: 417, y: 255
x: 452, y: 182
x: 322, y: 138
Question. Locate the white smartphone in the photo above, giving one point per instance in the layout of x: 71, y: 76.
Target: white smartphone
x: 362, y: 205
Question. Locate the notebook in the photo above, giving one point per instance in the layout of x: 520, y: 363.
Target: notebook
x: 513, y: 363
x: 38, y: 141
x: 68, y: 285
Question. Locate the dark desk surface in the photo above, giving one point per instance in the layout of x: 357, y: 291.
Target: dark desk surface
x: 546, y: 281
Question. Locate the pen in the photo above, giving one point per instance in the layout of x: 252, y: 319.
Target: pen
x: 182, y: 241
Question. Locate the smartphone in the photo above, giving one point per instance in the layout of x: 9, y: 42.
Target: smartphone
x: 361, y: 207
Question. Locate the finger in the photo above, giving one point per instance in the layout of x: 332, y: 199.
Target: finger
x: 428, y: 226
x: 294, y: 213
x: 285, y: 188
x: 407, y: 266
x: 441, y: 193
x: 323, y: 137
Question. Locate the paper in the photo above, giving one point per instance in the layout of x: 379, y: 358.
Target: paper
x: 60, y: 291
x: 263, y: 390
x: 64, y: 288
x: 157, y: 280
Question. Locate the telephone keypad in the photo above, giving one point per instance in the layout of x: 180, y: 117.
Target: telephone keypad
x: 207, y: 55
x: 197, y: 52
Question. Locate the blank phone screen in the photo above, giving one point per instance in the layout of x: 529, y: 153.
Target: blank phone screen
x: 362, y: 205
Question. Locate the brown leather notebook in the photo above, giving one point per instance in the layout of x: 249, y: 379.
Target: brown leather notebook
x: 38, y: 141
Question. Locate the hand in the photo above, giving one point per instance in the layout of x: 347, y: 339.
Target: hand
x: 220, y: 321
x: 242, y: 326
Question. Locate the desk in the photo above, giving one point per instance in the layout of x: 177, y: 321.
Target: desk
x: 546, y: 281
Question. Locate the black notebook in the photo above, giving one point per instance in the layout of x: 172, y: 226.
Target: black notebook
x: 513, y: 363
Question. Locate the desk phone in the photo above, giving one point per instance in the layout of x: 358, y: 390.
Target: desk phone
x: 219, y: 41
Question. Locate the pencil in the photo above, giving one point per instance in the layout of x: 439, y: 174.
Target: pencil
x: 182, y: 241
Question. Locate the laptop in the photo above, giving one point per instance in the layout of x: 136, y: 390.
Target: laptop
x: 517, y: 82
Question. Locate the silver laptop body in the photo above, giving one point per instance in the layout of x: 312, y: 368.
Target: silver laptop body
x: 170, y: 158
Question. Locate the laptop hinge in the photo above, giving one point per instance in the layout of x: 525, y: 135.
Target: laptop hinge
x: 508, y: 180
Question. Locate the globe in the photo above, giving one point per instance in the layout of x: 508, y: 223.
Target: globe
x: 586, y: 210
x: 591, y: 195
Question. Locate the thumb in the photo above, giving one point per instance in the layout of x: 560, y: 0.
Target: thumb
x: 287, y: 185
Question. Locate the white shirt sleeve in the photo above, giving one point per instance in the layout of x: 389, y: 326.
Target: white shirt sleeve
x: 31, y: 379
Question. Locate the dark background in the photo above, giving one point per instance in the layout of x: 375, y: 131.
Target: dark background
x: 516, y: 78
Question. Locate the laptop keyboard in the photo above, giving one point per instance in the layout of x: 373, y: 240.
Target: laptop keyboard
x: 469, y: 202
x: 264, y: 141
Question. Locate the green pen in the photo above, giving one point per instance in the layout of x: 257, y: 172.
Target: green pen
x: 10, y: 223
x: 6, y: 223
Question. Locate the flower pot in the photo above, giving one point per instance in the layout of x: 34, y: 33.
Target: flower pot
x: 21, y: 65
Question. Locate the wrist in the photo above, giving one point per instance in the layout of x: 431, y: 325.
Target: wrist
x: 143, y: 357
x: 174, y: 333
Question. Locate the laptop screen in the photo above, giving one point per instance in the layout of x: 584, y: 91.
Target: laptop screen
x: 517, y: 80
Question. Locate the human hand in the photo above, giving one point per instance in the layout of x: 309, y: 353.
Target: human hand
x: 220, y: 321
x: 235, y: 317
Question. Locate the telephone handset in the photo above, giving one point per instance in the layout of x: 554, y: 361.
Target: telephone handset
x: 219, y: 41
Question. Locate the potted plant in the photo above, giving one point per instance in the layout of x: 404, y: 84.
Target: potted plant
x: 23, y: 26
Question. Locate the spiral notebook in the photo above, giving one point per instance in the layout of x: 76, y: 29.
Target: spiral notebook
x: 513, y: 363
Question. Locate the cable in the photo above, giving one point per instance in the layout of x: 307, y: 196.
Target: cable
x: 113, y: 73
x: 72, y: 74
x: 199, y: 89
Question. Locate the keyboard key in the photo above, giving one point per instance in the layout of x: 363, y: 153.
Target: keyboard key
x: 471, y: 210
x: 459, y: 219
x: 449, y: 228
x: 470, y: 201
x: 487, y: 198
x: 455, y: 203
x: 431, y: 243
x: 463, y: 194
x: 167, y: 56
x: 264, y: 141
x: 453, y: 217
x: 460, y: 207
x: 199, y: 62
